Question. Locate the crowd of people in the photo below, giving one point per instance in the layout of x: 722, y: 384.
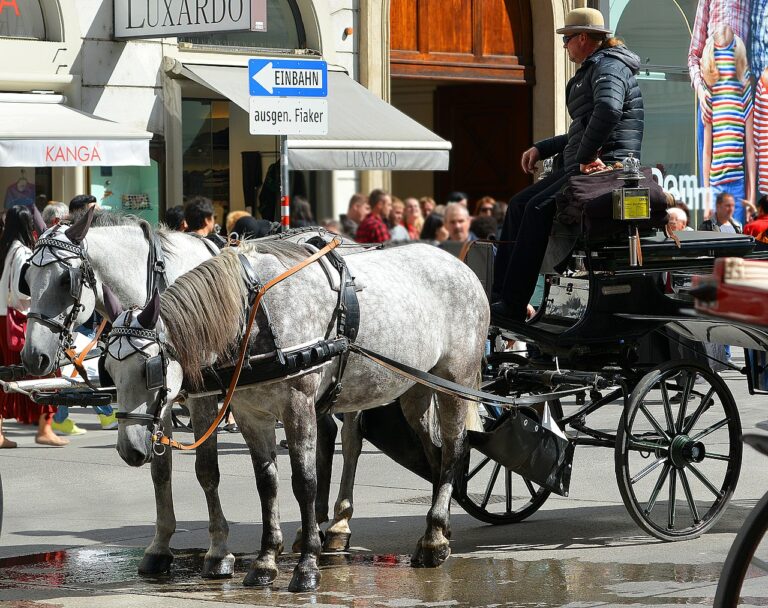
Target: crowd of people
x: 381, y: 217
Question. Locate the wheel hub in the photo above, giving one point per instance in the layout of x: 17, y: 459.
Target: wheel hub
x: 684, y: 451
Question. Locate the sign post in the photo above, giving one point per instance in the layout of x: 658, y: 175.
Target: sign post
x: 287, y: 97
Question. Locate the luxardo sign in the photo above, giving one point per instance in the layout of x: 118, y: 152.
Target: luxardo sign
x: 21, y: 19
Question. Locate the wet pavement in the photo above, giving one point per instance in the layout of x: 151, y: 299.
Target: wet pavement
x: 77, y: 520
x: 71, y: 578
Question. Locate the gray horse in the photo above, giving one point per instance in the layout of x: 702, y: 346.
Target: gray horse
x: 418, y: 305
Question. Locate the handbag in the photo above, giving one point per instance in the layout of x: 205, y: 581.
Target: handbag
x: 15, y: 324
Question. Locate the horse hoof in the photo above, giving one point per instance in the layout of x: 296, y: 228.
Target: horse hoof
x: 304, y: 579
x: 430, y: 556
x: 260, y: 576
x: 220, y: 567
x: 336, y: 542
x: 153, y: 564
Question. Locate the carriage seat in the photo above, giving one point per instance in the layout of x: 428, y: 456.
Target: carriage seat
x: 611, y: 252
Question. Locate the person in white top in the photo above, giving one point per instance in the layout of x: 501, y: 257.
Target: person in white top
x: 15, y: 248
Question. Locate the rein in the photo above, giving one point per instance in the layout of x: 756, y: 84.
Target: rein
x: 158, y: 438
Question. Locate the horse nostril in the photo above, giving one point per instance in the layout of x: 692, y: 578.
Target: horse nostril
x: 45, y: 361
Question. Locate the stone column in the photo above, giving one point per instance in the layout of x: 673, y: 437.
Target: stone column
x: 374, y: 71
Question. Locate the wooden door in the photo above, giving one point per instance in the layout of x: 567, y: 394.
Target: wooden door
x: 490, y: 127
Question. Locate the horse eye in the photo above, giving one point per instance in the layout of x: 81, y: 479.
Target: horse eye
x: 64, y: 280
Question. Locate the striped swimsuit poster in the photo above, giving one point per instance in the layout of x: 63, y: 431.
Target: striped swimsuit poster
x: 761, y: 134
x: 731, y: 105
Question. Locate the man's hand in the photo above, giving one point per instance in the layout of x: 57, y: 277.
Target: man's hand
x: 595, y: 165
x: 529, y: 159
x: 705, y: 102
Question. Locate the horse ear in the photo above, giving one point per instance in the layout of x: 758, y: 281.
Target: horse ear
x: 77, y: 231
x: 38, y: 222
x: 148, y: 317
x: 111, y: 303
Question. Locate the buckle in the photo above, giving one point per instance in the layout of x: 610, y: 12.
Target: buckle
x: 159, y: 266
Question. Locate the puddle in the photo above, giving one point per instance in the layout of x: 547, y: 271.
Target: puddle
x: 362, y: 579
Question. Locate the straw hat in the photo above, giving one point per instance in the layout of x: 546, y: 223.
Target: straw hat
x: 584, y: 20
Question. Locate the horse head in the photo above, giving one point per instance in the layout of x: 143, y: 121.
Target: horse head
x: 61, y: 284
x: 144, y: 373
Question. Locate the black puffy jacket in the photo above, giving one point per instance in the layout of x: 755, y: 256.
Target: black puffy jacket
x: 606, y: 109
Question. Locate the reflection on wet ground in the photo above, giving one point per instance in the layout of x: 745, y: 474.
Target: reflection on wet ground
x: 362, y: 579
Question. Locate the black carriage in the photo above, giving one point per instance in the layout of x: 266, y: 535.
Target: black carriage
x: 614, y: 328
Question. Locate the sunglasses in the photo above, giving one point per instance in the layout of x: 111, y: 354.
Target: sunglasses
x: 567, y: 38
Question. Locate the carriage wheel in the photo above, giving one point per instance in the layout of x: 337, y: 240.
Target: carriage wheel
x: 493, y: 493
x: 678, y: 450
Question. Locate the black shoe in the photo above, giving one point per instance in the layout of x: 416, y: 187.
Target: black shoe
x: 503, y: 316
x: 231, y: 428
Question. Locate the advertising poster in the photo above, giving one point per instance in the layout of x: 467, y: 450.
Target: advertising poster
x: 705, y: 85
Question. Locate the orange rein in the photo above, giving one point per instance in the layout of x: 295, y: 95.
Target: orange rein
x: 162, y: 439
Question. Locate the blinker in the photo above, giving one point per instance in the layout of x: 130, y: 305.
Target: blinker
x: 75, y: 275
x: 155, y: 372
x: 105, y: 379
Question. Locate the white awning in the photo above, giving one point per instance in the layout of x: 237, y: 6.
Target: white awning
x: 39, y: 131
x: 364, y: 132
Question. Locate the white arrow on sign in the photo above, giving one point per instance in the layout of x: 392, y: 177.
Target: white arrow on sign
x: 270, y: 78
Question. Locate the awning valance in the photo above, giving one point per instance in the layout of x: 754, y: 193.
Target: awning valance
x: 364, y: 132
x: 39, y: 131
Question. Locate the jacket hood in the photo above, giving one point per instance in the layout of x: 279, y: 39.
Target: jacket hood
x: 621, y: 53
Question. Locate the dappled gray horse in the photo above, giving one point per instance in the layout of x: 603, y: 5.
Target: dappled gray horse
x: 418, y: 305
x: 64, y: 279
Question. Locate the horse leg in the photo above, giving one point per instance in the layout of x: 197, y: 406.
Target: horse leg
x: 301, y: 430
x: 326, y: 445
x: 158, y: 556
x: 417, y: 406
x: 338, y: 533
x: 433, y: 548
x: 218, y: 562
x: 259, y: 433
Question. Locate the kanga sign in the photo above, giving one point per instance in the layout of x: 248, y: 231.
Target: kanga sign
x: 73, y: 153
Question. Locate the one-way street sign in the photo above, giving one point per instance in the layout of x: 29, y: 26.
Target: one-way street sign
x: 287, y: 78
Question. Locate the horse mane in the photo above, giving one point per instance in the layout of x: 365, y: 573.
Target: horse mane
x: 204, y: 311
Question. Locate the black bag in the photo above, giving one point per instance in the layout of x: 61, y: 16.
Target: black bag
x: 523, y: 444
x: 588, y: 200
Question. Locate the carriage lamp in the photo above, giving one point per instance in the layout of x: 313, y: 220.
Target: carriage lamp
x: 632, y: 203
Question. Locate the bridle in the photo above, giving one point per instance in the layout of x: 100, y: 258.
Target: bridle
x: 49, y: 250
x: 136, y: 341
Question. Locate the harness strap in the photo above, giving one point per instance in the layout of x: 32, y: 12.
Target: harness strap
x: 156, y: 277
x: 77, y: 360
x: 244, y: 349
x: 452, y: 388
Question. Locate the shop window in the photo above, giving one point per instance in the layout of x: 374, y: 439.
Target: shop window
x: 25, y: 186
x: 285, y: 30
x: 205, y: 145
x: 133, y: 190
x: 659, y: 31
x: 22, y: 19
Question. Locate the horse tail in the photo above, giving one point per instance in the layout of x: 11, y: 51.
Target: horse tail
x: 473, y: 422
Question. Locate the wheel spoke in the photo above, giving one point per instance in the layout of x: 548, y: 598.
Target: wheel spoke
x: 717, y: 456
x: 657, y: 488
x: 711, y: 429
x: 649, y: 469
x: 684, y: 399
x: 703, y: 479
x: 477, y: 468
x: 672, y: 499
x: 689, y: 497
x: 491, y: 483
x: 654, y: 423
x: 531, y: 489
x: 759, y: 563
x: 667, y: 407
x: 705, y: 404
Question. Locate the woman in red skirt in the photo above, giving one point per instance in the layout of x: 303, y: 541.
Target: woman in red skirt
x: 15, y: 249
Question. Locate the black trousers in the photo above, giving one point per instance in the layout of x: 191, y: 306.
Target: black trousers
x: 528, y: 223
